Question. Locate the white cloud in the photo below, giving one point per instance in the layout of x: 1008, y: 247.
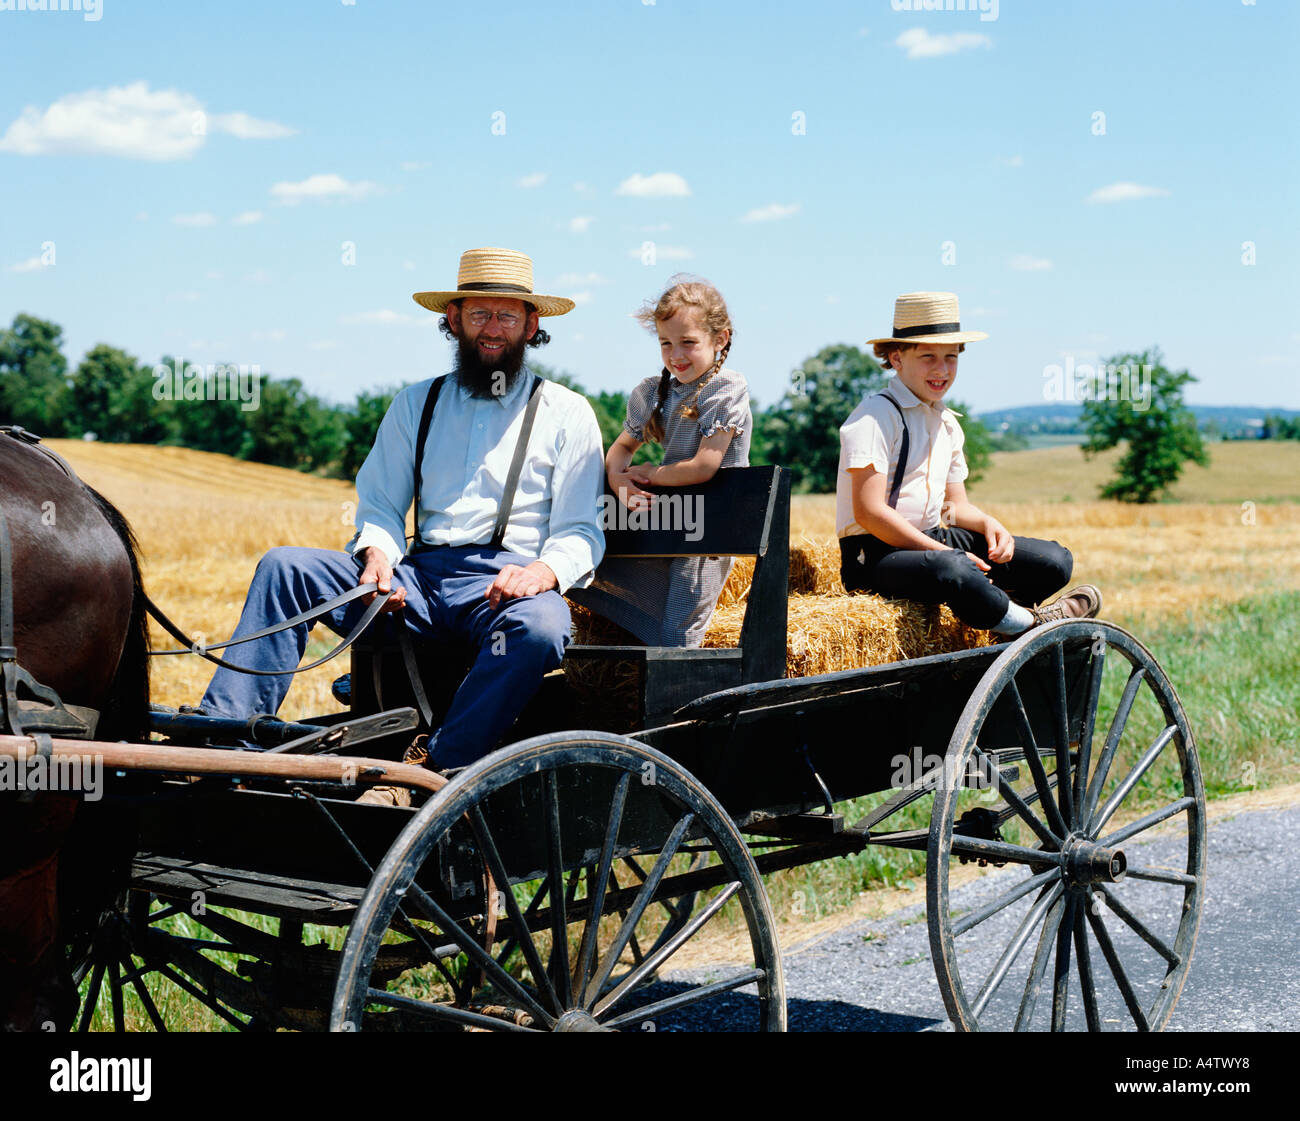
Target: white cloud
x: 243, y: 127
x: 581, y: 298
x: 132, y: 121
x: 323, y: 344
x: 536, y: 179
x: 1012, y: 161
x: 579, y: 279
x: 325, y: 188
x: 247, y: 218
x: 1027, y: 262
x: 1126, y: 192
x: 142, y: 216
x: 202, y: 218
x: 274, y: 334
x: 212, y: 274
x: 665, y: 253
x: 32, y: 264
x: 919, y: 43
x: 416, y: 165
x: 662, y: 184
x: 770, y: 213
x: 258, y: 276
x: 183, y: 297
x: 580, y: 224
x: 409, y: 266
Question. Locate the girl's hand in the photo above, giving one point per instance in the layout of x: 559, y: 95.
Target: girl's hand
x: 641, y: 474
x: 1001, y: 545
x: 628, y: 491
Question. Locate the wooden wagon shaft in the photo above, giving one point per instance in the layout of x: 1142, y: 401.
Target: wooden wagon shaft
x: 216, y: 761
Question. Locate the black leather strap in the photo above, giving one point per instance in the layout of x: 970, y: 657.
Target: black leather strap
x: 421, y: 438
x: 516, y: 465
x: 902, y: 454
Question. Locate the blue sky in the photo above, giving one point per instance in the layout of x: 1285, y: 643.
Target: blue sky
x: 194, y: 172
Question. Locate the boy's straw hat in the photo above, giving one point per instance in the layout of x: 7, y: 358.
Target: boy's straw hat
x: 928, y: 317
x: 502, y: 273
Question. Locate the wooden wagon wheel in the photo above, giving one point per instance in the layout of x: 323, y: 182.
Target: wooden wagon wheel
x: 553, y: 816
x: 1102, y: 831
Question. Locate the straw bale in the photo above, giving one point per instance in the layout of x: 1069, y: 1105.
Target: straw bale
x: 829, y: 633
x: 814, y: 570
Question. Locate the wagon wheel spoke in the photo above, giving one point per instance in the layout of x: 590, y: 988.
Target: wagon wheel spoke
x: 92, y: 997
x: 1014, y: 801
x: 1061, y: 977
x: 672, y: 1003
x: 1033, y: 758
x: 1000, y: 850
x: 627, y: 930
x: 1122, y: 712
x: 1035, y: 915
x: 555, y: 882
x: 1146, y: 822
x: 1096, y: 669
x: 663, y: 952
x: 444, y: 1013
x: 1131, y: 779
x: 1137, y: 926
x: 1064, y: 790
x: 597, y: 892
x: 1117, y: 971
x: 1039, y: 967
x: 966, y: 922
x: 1087, y: 985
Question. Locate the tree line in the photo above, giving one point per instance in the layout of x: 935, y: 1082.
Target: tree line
x: 112, y: 396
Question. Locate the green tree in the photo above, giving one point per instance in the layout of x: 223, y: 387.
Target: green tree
x: 979, y: 445
x: 138, y: 416
x: 91, y: 404
x: 1135, y: 399
x: 802, y: 430
x: 360, y: 427
x: 292, y: 428
x: 33, y: 373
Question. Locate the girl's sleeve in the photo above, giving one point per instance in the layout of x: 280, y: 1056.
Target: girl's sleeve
x: 724, y: 406
x: 640, y: 405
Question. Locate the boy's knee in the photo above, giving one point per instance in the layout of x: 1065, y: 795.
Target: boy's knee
x: 1059, y: 562
x: 952, y: 569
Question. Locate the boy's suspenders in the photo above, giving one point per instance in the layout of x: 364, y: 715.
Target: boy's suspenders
x: 516, y: 464
x: 902, y: 453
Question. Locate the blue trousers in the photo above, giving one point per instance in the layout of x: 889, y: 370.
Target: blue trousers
x: 517, y: 643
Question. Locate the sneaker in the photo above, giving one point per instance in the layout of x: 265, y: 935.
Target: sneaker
x: 1083, y: 602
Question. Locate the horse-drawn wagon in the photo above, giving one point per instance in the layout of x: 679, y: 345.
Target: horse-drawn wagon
x: 578, y: 879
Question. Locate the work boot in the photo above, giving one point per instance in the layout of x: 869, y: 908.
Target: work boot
x: 1083, y: 602
x: 417, y: 755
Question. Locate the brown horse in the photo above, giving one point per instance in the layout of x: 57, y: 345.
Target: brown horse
x: 79, y: 628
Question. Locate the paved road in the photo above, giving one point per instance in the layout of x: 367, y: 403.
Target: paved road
x: 1245, y: 976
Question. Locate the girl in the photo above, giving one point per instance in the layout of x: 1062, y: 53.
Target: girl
x: 698, y: 410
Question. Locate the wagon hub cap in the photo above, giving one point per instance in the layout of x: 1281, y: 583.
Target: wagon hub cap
x: 1087, y: 862
x: 575, y: 1019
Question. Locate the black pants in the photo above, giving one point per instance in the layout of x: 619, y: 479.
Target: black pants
x: 1035, y: 571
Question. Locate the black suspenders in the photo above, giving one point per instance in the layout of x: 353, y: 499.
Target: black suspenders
x: 902, y: 454
x: 516, y: 464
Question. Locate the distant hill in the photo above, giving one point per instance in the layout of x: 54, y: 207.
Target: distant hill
x: 1063, y: 417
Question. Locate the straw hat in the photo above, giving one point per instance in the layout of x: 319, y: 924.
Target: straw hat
x: 928, y: 317
x: 503, y: 273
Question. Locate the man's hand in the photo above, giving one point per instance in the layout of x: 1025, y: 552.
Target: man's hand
x: 377, y: 569
x: 513, y: 582
x: 1000, y: 542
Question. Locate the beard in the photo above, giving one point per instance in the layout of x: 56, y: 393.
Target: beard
x: 488, y: 379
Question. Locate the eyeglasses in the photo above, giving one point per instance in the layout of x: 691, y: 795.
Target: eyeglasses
x: 508, y: 319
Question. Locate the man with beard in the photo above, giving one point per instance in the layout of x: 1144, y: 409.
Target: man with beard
x: 506, y: 483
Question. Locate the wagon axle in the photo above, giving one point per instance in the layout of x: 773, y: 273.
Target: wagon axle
x: 1087, y: 862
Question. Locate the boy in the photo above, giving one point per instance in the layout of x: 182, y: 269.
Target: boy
x: 906, y: 527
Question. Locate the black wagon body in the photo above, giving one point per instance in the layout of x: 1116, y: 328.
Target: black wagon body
x: 586, y: 879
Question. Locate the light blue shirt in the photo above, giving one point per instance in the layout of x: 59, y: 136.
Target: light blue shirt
x: 556, y: 513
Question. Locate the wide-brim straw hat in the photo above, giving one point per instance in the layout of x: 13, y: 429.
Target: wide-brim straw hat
x: 501, y: 273
x: 928, y: 317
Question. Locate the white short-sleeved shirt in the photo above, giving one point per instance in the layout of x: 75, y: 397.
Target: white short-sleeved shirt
x: 873, y: 436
